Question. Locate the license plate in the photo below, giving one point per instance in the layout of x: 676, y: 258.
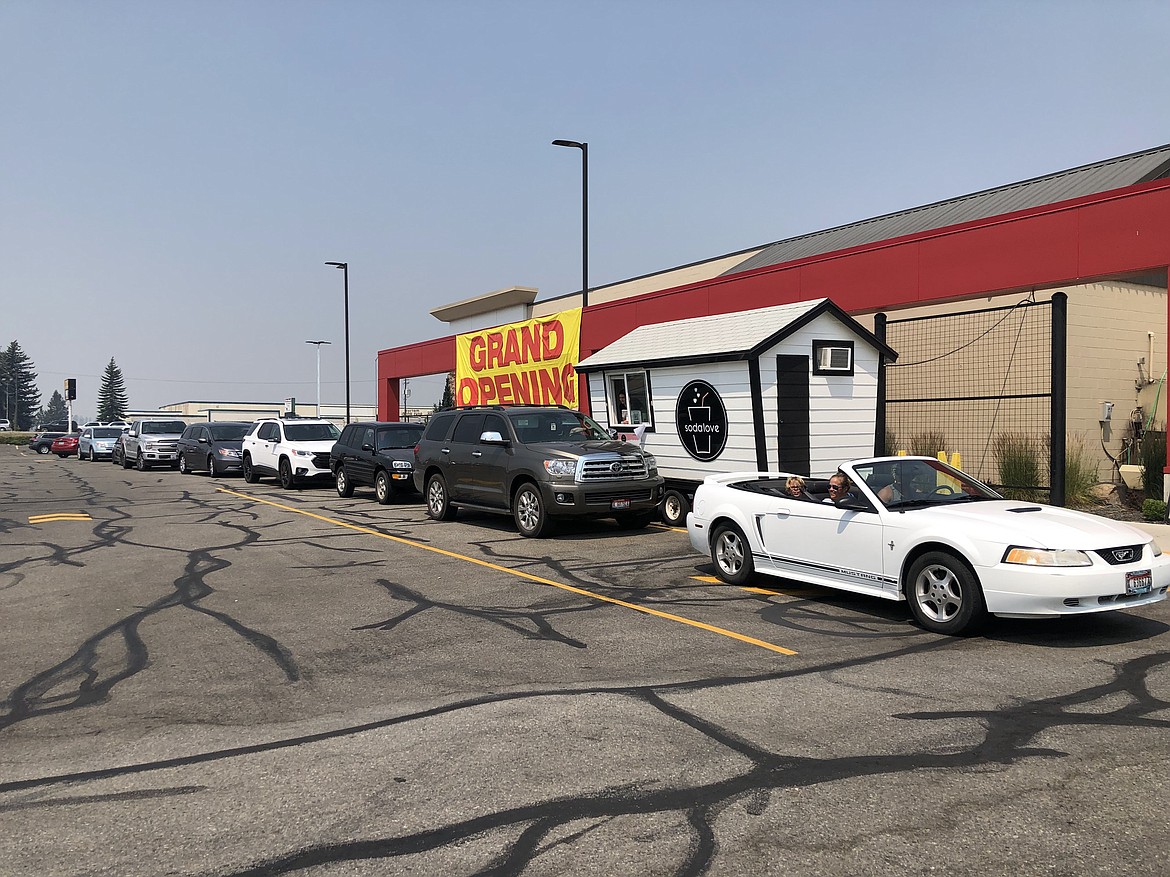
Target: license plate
x: 1139, y: 582
x: 620, y: 504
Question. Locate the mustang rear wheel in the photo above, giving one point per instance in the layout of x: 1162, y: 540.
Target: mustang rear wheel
x: 732, y: 555
x: 944, y: 594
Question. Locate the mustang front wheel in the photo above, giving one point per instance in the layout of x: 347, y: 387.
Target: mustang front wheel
x: 944, y: 594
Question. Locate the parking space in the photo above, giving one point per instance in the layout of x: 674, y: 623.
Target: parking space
x: 224, y: 678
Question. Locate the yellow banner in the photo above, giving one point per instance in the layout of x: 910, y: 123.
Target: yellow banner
x: 528, y: 363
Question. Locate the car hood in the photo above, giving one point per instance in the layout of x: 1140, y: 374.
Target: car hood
x: 1034, y: 525
x: 323, y: 447
x: 585, y: 446
x: 160, y: 436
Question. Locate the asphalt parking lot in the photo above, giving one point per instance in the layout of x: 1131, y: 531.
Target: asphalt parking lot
x: 205, y: 677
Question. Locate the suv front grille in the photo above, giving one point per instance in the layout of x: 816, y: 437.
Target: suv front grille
x: 611, y: 467
x: 605, y: 497
x: 321, y: 459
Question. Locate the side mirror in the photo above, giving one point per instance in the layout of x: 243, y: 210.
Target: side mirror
x: 204, y: 440
x: 492, y: 438
x: 367, y: 447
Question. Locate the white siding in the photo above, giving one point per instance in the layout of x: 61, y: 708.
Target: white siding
x: 841, y: 418
x: 842, y: 408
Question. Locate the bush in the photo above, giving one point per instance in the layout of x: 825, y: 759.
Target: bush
x: 1153, y: 462
x: 1080, y: 472
x: 1018, y: 457
x: 1154, y: 510
x: 928, y: 444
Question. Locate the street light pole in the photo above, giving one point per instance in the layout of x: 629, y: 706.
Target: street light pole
x: 344, y: 266
x: 584, y: 147
x: 318, y: 343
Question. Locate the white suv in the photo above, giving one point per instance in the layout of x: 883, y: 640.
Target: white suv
x: 294, y: 450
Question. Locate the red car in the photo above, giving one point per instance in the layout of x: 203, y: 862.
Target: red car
x: 65, y: 446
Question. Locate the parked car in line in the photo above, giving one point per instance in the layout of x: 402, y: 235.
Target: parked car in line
x: 378, y: 455
x: 60, y: 427
x: 918, y: 530
x: 151, y: 442
x: 5, y: 424
x: 118, y: 452
x: 120, y: 423
x: 97, y: 442
x: 212, y: 447
x: 90, y: 423
x: 64, y: 445
x: 535, y: 463
x: 296, y: 450
x: 42, y: 442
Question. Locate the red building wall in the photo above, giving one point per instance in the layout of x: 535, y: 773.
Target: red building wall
x: 1098, y: 236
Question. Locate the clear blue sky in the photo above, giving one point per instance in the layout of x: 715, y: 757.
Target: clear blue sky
x: 175, y: 174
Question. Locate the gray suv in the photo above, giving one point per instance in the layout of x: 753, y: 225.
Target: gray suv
x: 536, y: 464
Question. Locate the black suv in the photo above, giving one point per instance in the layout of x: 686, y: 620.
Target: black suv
x: 535, y: 463
x: 378, y: 455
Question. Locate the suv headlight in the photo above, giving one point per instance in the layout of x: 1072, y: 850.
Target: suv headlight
x: 1047, y: 557
x: 402, y: 464
x: 299, y: 453
x: 651, y: 463
x: 561, y: 468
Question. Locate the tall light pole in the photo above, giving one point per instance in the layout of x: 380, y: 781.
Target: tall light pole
x: 318, y: 343
x: 584, y: 147
x: 344, y: 266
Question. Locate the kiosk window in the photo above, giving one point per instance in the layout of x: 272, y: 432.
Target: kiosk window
x: 629, y: 399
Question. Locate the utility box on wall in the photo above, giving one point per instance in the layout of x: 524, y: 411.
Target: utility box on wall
x: 789, y: 388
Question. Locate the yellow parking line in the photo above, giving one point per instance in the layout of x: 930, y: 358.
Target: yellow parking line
x: 59, y: 516
x: 519, y: 574
x: 784, y: 592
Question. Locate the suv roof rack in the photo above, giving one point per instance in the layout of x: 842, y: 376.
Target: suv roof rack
x: 501, y: 407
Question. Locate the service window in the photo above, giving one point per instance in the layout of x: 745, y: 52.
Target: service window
x: 628, y: 398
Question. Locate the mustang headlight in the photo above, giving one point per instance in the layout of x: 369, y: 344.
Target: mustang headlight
x: 563, y: 468
x: 402, y: 464
x: 1047, y: 557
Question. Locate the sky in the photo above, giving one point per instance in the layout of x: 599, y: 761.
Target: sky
x: 174, y: 175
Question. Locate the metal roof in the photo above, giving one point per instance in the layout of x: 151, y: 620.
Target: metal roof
x: 1113, y: 173
x: 731, y: 336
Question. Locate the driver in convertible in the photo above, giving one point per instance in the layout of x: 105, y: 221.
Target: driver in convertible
x: 840, y: 489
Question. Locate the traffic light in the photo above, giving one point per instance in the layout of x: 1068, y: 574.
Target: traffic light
x: 71, y: 388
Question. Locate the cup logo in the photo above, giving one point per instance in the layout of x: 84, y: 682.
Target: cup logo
x: 701, y: 420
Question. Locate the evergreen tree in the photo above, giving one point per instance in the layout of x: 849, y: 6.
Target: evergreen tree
x: 112, y: 400
x: 21, y: 396
x: 449, y: 391
x: 57, y: 411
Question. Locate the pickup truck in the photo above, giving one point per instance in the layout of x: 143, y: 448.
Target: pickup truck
x: 152, y: 442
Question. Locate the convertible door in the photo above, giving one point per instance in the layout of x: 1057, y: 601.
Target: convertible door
x: 821, y: 543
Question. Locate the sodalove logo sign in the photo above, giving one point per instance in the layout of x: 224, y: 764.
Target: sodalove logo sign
x: 701, y: 420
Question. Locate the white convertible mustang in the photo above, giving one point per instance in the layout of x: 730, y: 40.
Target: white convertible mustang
x: 916, y: 529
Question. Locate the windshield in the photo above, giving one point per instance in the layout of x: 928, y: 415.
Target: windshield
x: 399, y: 439
x: 229, y: 432
x: 557, y: 426
x: 311, y: 432
x: 107, y: 432
x: 918, y: 483
x: 162, y: 427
